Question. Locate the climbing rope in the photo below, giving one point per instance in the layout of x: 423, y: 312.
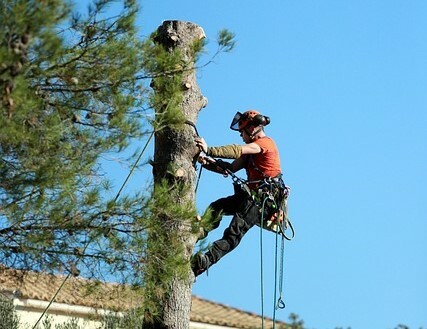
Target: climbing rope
x: 188, y: 122
x: 87, y: 244
x: 52, y: 300
x: 262, y: 261
x: 198, y: 179
x: 278, y: 261
x: 134, y: 165
x: 279, y: 304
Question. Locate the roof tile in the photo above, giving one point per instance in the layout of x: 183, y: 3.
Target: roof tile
x: 84, y: 292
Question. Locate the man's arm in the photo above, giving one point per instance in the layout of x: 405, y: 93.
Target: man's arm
x: 251, y: 148
x: 220, y: 166
x: 233, y: 151
x: 238, y: 164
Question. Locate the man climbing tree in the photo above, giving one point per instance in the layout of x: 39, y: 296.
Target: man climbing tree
x: 260, y: 158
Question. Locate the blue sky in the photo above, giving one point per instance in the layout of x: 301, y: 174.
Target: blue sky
x: 344, y: 82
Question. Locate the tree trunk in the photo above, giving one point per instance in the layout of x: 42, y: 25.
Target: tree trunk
x: 173, y: 163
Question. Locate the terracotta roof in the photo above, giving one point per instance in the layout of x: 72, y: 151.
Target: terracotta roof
x: 84, y: 292
x: 215, y: 313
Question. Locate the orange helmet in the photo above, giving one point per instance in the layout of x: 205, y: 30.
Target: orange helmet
x: 250, y: 117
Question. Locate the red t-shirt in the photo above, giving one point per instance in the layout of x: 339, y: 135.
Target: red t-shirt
x: 263, y: 164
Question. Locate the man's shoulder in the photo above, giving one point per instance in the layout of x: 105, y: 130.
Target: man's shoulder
x: 265, y: 141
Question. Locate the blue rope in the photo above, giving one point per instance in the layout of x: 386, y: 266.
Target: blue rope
x: 279, y: 304
x: 262, y: 287
x: 275, y: 278
x: 262, y: 261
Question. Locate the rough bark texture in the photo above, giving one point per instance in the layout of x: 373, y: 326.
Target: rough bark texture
x: 175, y: 148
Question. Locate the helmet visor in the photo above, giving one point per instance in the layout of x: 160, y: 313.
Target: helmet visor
x: 235, y: 123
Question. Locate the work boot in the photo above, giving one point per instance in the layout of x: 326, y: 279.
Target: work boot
x: 200, y: 263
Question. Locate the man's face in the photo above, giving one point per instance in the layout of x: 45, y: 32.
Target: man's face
x: 245, y: 134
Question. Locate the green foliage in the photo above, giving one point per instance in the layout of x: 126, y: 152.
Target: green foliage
x: 10, y: 319
x: 8, y: 316
x: 226, y: 40
x: 206, y: 222
x: 295, y: 322
x: 165, y: 245
x: 69, y: 95
x: 72, y: 323
x: 73, y: 90
x: 166, y: 69
x: 132, y: 319
x: 202, y: 227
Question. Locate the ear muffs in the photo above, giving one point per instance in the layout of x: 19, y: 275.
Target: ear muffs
x: 260, y: 120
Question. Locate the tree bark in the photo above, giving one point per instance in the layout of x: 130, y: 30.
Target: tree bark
x: 173, y: 160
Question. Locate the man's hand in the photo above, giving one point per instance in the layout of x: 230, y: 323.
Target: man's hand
x: 204, y: 159
x: 201, y: 144
x: 211, y: 164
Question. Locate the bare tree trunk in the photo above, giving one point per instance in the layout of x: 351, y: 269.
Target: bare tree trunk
x: 173, y: 162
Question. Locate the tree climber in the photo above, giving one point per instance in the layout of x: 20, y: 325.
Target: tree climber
x: 260, y: 158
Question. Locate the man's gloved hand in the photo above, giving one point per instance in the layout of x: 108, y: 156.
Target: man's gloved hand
x: 222, y: 167
x: 205, y: 159
x: 216, y: 165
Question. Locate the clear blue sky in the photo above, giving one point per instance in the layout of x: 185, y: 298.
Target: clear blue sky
x: 345, y: 85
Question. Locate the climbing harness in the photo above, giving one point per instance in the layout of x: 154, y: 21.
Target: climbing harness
x: 272, y: 194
